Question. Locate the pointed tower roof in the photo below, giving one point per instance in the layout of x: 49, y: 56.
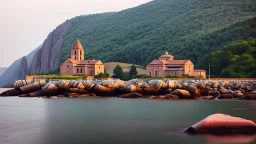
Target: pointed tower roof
x: 77, y: 45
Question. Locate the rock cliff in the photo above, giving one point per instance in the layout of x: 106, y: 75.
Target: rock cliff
x: 46, y: 57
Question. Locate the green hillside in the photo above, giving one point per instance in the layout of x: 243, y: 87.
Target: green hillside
x: 237, y: 60
x: 188, y: 29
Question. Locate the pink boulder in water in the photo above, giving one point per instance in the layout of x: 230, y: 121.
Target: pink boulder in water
x: 223, y: 124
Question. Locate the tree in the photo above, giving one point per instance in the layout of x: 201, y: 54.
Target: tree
x: 118, y: 72
x: 100, y: 76
x: 106, y: 73
x: 133, y: 70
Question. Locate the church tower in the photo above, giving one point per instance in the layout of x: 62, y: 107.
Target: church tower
x: 77, y: 52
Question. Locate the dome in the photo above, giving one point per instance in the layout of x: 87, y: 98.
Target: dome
x: 166, y: 55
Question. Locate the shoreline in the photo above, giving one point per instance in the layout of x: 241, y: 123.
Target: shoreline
x: 136, y: 88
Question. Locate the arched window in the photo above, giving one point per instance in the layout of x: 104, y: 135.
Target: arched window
x: 77, y: 70
x: 80, y: 52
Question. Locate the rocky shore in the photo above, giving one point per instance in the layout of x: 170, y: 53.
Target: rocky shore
x: 152, y: 89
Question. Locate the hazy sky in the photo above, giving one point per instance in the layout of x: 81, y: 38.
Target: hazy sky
x: 25, y: 24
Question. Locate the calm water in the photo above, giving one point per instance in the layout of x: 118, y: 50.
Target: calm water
x: 113, y: 120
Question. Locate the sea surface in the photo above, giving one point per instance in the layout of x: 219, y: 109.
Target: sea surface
x: 114, y: 120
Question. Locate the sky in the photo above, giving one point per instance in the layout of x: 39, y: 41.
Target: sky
x: 25, y: 24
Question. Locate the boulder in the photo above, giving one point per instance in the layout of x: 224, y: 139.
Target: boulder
x: 168, y: 91
x: 182, y: 94
x: 237, y: 94
x: 11, y: 92
x: 248, y: 89
x: 34, y: 94
x: 249, y: 97
x: 194, y: 92
x: 225, y: 96
x: 31, y: 88
x: 131, y: 95
x: 204, y: 92
x: 171, y: 96
x: 152, y: 97
x: 76, y: 90
x: 208, y: 97
x: 223, y: 124
x: 151, y: 91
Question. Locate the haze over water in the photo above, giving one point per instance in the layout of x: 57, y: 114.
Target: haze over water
x: 114, y: 120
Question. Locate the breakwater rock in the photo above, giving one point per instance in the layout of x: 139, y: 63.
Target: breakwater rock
x: 153, y: 89
x: 223, y: 124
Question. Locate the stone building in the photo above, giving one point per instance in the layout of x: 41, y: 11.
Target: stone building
x: 166, y: 65
x: 76, y: 65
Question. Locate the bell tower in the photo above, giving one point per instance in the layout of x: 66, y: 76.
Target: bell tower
x: 77, y: 52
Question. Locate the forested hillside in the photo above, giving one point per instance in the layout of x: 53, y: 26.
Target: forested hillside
x: 236, y: 60
x: 188, y: 29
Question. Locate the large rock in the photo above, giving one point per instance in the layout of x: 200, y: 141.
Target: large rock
x: 171, y: 96
x: 208, y: 97
x: 249, y: 97
x: 182, y: 94
x: 223, y: 124
x: 131, y: 95
x: 11, y: 92
x: 225, y: 96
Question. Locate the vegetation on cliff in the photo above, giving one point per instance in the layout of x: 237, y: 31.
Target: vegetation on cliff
x: 188, y: 29
x: 237, y: 60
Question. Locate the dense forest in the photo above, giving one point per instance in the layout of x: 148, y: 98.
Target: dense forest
x: 188, y: 29
x: 236, y: 60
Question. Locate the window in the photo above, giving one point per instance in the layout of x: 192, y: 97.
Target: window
x: 81, y: 70
x: 166, y: 59
x: 80, y: 58
x: 91, y: 72
x: 149, y: 73
x: 88, y: 61
x: 80, y: 52
x: 77, y: 70
x: 75, y: 58
x: 99, y: 67
x: 156, y: 73
x: 75, y: 52
x: 170, y: 67
x: 67, y: 66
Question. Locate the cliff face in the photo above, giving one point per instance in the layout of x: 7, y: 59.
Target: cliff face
x: 48, y: 58
x: 41, y: 60
x: 2, y: 70
x: 18, y: 70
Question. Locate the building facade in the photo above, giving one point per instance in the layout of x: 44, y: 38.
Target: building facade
x: 166, y: 65
x: 76, y: 65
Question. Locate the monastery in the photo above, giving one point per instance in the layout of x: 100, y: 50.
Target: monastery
x: 76, y: 65
x: 166, y: 65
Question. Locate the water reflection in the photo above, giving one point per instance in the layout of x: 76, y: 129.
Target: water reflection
x: 230, y: 139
